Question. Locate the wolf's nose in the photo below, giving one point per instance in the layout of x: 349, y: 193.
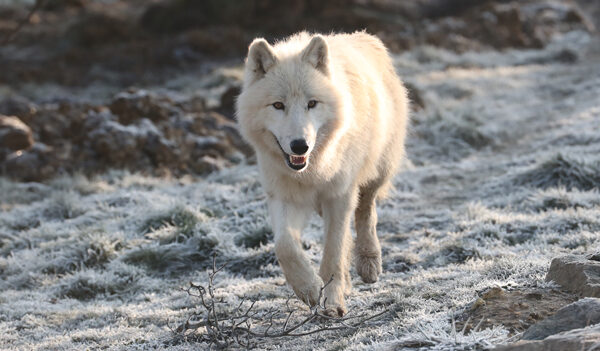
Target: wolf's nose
x: 299, y: 146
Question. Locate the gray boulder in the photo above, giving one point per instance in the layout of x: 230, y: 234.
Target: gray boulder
x: 587, y: 339
x: 576, y: 273
x: 579, y: 314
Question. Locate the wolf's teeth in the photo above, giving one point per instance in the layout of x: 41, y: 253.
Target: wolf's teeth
x: 297, y: 160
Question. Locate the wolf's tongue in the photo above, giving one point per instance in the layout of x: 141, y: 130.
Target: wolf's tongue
x: 297, y: 160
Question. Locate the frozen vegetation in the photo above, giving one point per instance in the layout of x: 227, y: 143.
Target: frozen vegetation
x: 503, y: 174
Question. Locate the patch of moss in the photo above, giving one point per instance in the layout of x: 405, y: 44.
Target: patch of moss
x: 88, y: 286
x: 61, y: 208
x: 184, y: 220
x: 458, y: 254
x: 562, y: 171
x: 95, y: 253
x: 256, y: 238
x: 174, y: 257
x: 253, y: 266
x: 519, y: 234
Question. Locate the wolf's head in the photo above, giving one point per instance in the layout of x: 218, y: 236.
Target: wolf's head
x: 288, y: 101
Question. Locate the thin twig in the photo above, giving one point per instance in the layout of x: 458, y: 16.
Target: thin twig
x: 287, y: 320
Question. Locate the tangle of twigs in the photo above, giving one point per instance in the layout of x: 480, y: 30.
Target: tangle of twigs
x: 243, y: 325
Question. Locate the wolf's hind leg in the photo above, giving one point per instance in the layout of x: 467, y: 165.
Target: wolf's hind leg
x: 288, y: 221
x: 367, y: 249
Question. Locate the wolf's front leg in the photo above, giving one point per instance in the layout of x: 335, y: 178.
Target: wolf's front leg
x: 337, y: 214
x: 288, y: 220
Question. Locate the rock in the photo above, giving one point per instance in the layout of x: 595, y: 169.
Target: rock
x: 578, y: 274
x: 14, y: 134
x: 579, y: 314
x: 126, y: 145
x: 216, y: 125
x: 573, y: 340
x: 51, y: 125
x: 20, y: 107
x: 140, y: 131
x: 474, y: 25
x: 32, y: 165
x: 159, y: 149
x: 133, y: 105
x: 109, y: 140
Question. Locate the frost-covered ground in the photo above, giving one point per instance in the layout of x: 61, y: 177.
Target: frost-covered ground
x: 503, y: 175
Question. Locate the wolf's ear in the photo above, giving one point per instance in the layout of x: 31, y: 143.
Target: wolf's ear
x: 317, y: 54
x: 260, y: 59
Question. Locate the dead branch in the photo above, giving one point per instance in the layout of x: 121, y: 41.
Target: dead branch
x: 245, y: 326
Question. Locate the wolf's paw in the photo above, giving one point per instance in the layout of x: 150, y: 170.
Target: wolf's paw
x: 333, y: 300
x: 335, y: 311
x: 310, y: 291
x: 368, y: 266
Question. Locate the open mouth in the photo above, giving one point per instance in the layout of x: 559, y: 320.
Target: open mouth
x: 295, y: 162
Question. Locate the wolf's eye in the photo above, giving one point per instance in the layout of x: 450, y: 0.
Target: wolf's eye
x: 278, y: 105
x: 312, y: 103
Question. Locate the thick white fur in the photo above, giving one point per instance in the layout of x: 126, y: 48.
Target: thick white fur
x: 356, y: 142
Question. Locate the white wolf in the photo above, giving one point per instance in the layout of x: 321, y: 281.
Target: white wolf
x: 327, y: 118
